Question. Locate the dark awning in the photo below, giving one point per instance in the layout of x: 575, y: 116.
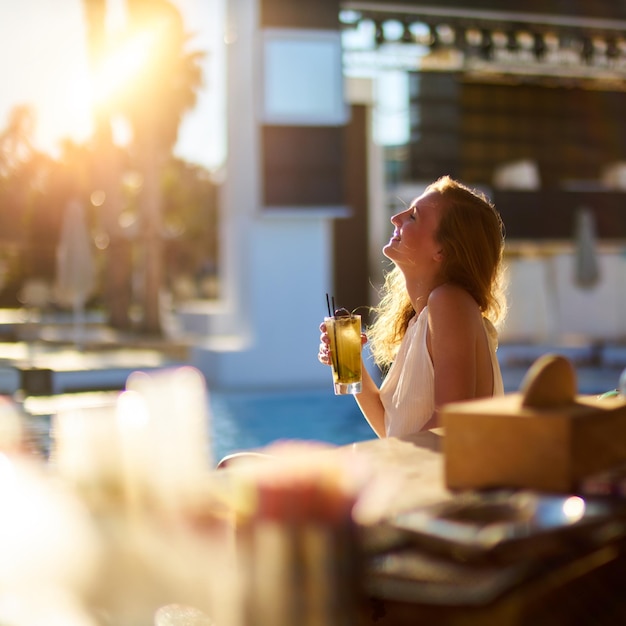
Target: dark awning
x: 598, y: 18
x: 602, y: 9
x: 557, y: 39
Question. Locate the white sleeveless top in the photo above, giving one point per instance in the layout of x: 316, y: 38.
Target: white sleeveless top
x: 408, y: 391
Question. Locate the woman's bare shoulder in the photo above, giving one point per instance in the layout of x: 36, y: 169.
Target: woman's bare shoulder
x: 449, y: 295
x: 453, y: 319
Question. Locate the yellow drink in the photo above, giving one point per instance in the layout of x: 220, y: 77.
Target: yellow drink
x: 345, y: 351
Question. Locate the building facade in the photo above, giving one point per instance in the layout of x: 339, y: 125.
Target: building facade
x: 524, y: 103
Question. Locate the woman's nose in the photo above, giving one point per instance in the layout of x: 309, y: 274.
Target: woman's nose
x: 396, y: 219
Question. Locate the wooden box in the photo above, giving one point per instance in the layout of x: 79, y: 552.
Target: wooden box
x: 545, y: 437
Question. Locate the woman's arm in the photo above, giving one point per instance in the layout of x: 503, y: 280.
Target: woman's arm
x: 369, y: 397
x: 370, y: 404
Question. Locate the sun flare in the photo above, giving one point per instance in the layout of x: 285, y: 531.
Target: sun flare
x: 122, y: 65
x: 46, y: 63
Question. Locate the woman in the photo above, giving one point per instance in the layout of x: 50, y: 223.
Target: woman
x: 434, y: 325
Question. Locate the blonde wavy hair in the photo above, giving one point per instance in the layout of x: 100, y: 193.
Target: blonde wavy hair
x: 471, y: 234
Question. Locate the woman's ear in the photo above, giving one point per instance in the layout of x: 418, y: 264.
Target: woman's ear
x: 438, y: 256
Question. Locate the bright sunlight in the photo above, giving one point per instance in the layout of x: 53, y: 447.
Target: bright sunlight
x: 122, y: 65
x: 44, y: 62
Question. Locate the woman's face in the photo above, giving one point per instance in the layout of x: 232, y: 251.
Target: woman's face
x: 413, y: 243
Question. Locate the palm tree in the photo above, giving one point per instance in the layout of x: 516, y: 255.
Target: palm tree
x: 154, y: 101
x: 155, y: 105
x: 107, y: 169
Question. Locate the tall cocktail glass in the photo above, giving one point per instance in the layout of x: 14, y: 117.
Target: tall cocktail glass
x: 344, y: 333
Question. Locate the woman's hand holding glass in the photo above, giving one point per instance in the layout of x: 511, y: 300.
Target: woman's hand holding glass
x: 340, y: 346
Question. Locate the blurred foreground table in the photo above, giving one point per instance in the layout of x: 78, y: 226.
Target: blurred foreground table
x: 407, y: 585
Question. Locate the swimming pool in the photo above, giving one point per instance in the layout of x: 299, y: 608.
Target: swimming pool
x: 241, y: 420
x: 244, y: 420
x: 238, y: 419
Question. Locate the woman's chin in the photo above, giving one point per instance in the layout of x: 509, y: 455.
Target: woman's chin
x: 388, y: 250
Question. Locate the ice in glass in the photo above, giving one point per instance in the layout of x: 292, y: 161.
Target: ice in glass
x: 344, y: 333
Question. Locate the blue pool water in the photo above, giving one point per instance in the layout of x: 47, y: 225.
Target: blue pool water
x: 245, y: 420
x: 241, y: 420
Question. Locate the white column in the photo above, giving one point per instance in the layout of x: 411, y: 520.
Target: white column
x: 275, y: 266
x: 239, y: 200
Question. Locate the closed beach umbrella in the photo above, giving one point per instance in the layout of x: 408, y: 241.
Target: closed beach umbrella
x: 75, y: 276
x: 587, y: 267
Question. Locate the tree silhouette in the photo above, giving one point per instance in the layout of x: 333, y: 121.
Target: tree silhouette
x: 107, y: 175
x: 25, y: 174
x: 154, y: 102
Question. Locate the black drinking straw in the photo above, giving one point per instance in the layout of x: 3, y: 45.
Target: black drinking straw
x: 331, y: 313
